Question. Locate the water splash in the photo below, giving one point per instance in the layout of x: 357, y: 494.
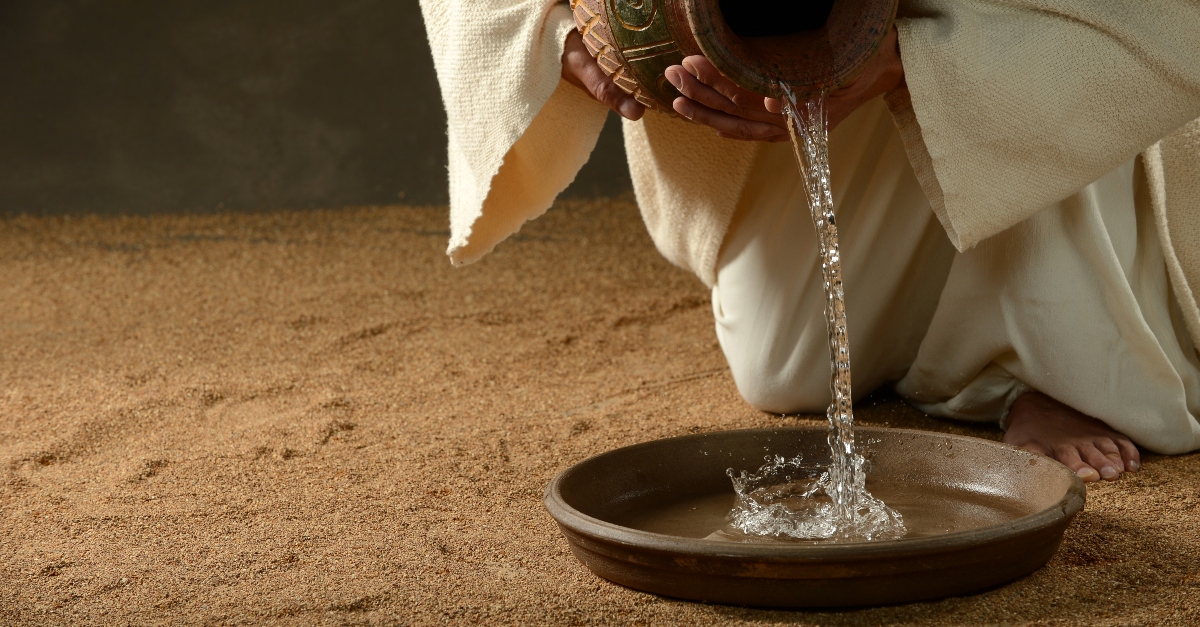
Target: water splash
x: 786, y: 498
x: 768, y: 505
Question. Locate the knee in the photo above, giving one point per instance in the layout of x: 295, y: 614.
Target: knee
x: 777, y: 396
x: 779, y: 360
x: 778, y: 386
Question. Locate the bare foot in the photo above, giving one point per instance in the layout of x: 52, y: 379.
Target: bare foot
x: 1094, y: 451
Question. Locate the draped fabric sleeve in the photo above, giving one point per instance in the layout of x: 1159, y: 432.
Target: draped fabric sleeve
x: 688, y: 183
x: 1012, y: 105
x: 517, y: 133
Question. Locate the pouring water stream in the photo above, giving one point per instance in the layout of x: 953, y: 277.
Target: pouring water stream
x: 781, y: 497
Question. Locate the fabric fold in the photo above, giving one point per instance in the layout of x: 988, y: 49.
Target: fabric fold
x: 517, y: 133
x: 1009, y: 108
x: 1013, y: 106
x: 688, y: 183
x: 1172, y: 171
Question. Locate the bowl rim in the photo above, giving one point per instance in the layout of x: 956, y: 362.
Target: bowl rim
x: 578, y: 522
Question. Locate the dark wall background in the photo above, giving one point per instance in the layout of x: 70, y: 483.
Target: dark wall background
x: 147, y: 106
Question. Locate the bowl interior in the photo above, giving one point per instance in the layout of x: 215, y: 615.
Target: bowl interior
x: 941, y: 484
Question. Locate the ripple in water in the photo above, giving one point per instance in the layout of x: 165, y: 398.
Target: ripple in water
x: 785, y: 497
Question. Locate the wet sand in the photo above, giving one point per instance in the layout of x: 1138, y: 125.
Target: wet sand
x: 311, y: 418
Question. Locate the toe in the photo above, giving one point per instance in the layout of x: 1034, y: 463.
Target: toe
x: 1108, y: 446
x: 1105, y: 465
x: 1129, y: 454
x: 1069, y: 456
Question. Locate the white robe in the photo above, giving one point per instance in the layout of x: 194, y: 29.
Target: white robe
x: 1012, y: 111
x: 1074, y: 301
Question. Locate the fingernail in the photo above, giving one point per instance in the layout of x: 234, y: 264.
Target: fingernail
x: 673, y: 77
x: 1133, y: 465
x: 683, y: 107
x: 1085, y: 473
x: 629, y: 109
x: 1108, y: 472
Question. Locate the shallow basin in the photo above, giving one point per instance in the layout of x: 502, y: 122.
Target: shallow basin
x: 979, y: 514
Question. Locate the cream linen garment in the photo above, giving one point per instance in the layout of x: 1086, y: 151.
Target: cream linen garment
x: 517, y: 134
x: 1012, y: 107
x: 1074, y: 301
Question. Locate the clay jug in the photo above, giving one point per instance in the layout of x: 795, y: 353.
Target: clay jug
x: 813, y: 45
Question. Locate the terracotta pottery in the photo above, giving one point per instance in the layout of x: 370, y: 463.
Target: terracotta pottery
x: 978, y: 513
x: 635, y: 40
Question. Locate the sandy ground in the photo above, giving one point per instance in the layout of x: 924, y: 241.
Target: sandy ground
x: 311, y: 418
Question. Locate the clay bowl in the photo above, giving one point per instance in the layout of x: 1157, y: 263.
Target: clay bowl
x: 979, y: 513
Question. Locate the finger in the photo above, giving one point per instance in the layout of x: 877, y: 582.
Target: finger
x: 581, y: 69
x: 707, y: 73
x: 603, y: 89
x: 616, y: 99
x: 1130, y: 455
x: 730, y: 126
x: 573, y: 58
x: 706, y: 95
x: 1069, y: 457
x: 774, y: 105
x: 773, y: 140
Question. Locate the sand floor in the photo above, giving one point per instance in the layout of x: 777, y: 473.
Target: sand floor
x: 312, y: 418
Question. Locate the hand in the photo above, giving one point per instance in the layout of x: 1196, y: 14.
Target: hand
x: 713, y: 100
x: 581, y: 70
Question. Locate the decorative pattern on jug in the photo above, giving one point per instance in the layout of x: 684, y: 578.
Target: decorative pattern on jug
x: 633, y: 44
